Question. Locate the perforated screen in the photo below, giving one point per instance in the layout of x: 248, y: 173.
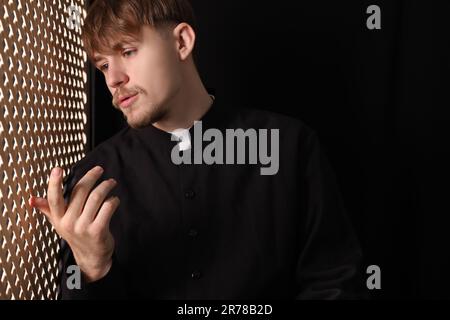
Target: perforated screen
x: 43, y: 124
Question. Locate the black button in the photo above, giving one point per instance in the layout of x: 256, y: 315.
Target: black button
x: 196, y: 274
x: 193, y: 233
x: 189, y: 194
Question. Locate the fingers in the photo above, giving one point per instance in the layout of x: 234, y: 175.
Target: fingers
x: 55, y: 194
x: 81, y: 191
x: 95, y: 200
x: 79, y: 211
x: 105, y: 213
x: 41, y: 204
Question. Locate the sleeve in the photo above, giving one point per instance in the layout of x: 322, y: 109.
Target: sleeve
x: 111, y: 286
x: 328, y: 265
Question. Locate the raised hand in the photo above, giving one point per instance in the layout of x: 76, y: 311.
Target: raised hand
x: 84, y: 221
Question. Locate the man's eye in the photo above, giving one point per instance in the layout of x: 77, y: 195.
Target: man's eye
x: 127, y: 53
x: 103, y: 67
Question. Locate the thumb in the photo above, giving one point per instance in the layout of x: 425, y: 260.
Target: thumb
x: 41, y: 204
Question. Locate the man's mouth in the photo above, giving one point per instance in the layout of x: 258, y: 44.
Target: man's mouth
x: 126, y: 101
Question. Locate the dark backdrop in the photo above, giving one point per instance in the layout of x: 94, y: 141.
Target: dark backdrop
x: 375, y: 97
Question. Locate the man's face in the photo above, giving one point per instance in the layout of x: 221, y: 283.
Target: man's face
x: 148, y: 70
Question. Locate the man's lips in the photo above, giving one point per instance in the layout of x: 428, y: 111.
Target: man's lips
x: 125, y: 101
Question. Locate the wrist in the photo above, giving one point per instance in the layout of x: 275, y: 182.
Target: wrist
x: 92, y: 274
x: 93, y: 270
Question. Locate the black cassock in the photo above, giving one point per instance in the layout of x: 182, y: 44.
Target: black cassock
x: 221, y: 231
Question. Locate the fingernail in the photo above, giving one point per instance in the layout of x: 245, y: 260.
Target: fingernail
x: 98, y: 169
x: 34, y: 201
x: 56, y: 172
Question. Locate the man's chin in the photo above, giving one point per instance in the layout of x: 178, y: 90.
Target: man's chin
x: 143, y: 123
x: 137, y: 121
x: 139, y: 125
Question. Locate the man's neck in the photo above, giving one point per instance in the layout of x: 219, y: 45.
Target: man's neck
x: 187, y: 107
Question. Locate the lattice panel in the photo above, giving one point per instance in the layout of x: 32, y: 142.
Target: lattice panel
x: 43, y: 124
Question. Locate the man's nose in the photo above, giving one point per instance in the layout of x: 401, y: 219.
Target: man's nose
x: 116, y: 77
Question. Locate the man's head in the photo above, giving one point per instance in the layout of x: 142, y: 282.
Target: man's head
x: 143, y: 48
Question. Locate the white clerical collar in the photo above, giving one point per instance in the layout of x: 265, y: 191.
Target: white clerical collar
x: 184, y: 135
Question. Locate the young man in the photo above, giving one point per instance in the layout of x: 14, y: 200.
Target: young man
x: 141, y: 224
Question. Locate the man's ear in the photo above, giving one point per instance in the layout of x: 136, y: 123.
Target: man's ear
x: 185, y: 37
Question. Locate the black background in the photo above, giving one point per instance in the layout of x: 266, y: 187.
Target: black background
x: 377, y: 99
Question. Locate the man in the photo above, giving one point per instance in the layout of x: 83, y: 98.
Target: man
x: 140, y: 225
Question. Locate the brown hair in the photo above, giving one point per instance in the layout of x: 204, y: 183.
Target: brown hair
x: 111, y: 20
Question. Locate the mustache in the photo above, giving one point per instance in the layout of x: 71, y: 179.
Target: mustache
x: 124, y: 92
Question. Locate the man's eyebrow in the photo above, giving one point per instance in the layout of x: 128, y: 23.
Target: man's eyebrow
x: 97, y: 59
x: 116, y: 47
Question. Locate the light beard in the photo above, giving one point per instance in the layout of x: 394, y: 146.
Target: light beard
x: 155, y: 114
